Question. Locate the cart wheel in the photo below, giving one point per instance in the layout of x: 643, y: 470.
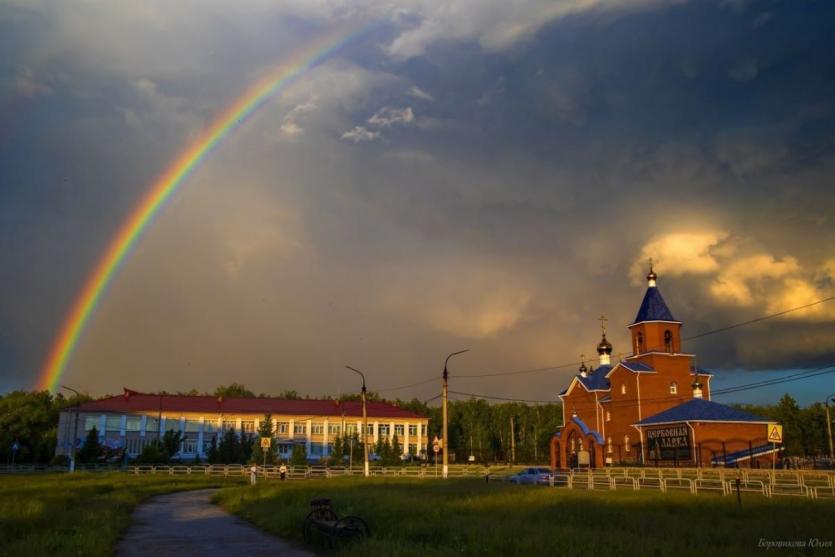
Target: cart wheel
x: 307, y: 528
x: 351, y: 527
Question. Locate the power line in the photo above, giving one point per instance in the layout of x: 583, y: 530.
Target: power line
x: 700, y: 335
x: 401, y: 387
x: 806, y: 374
x: 566, y: 365
x: 758, y: 319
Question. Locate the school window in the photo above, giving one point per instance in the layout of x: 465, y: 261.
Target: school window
x: 151, y: 425
x: 673, y: 388
x: 608, y: 416
x: 626, y: 443
x: 398, y: 430
x: 91, y: 422
x: 192, y: 426
x: 413, y: 429
x: 282, y: 427
x: 317, y: 428
x: 113, y: 423
x: 190, y: 446
x: 413, y: 449
x: 384, y: 430
x: 334, y: 429
x: 134, y: 446
x: 248, y: 426
x: 423, y: 430
x: 229, y: 425
x: 299, y: 429
x: 623, y: 389
x: 172, y: 424
x: 132, y: 423
x: 350, y: 429
x: 209, y: 427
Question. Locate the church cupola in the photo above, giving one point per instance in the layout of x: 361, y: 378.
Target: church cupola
x: 652, y: 278
x: 584, y: 371
x: 604, y: 348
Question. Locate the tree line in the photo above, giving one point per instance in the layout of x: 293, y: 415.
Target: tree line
x: 478, y: 431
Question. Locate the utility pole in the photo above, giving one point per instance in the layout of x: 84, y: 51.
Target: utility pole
x: 75, y: 428
x: 366, y: 467
x: 512, y: 442
x: 829, y: 427
x: 445, y: 395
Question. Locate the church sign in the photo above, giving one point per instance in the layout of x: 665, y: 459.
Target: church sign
x: 669, y: 443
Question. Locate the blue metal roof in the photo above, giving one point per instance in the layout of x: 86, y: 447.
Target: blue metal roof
x: 734, y: 457
x: 637, y: 367
x: 701, y: 410
x: 585, y: 429
x: 653, y: 308
x: 597, y: 380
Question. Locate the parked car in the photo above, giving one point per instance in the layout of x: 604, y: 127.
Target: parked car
x: 532, y: 476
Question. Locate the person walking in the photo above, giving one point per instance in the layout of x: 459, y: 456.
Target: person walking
x: 253, y: 472
x: 282, y: 471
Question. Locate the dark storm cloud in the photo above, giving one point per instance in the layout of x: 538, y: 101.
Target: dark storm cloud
x: 433, y: 187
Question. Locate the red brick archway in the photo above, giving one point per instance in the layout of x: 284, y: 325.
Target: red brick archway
x: 561, y: 446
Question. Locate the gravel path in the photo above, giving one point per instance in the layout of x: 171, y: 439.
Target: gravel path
x: 186, y: 524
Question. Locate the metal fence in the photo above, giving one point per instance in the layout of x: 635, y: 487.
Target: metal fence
x: 812, y: 484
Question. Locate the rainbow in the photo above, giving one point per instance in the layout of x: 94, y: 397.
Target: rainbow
x: 166, y: 185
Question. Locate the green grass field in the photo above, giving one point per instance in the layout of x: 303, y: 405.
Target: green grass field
x: 82, y: 514
x: 467, y: 517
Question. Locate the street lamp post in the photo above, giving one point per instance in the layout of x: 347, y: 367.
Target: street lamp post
x: 366, y: 468
x: 445, y: 395
x: 829, y: 427
x: 75, y: 427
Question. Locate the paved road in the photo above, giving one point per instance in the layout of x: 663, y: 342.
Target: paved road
x: 188, y: 524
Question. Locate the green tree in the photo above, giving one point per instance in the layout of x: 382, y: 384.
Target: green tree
x: 395, y: 452
x: 265, y: 431
x: 245, y: 445
x: 92, y: 449
x: 171, y: 442
x: 229, y: 448
x: 153, y: 453
x: 299, y: 455
x: 234, y: 390
x: 337, y: 452
x: 213, y: 456
x: 788, y: 414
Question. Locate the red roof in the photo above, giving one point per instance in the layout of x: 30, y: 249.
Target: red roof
x: 132, y: 401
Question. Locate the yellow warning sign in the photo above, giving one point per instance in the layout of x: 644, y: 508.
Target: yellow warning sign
x: 775, y: 433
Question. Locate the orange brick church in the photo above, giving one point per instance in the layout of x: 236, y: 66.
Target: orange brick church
x: 653, y: 407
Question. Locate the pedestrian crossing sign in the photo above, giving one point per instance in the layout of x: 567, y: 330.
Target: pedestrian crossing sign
x: 775, y: 433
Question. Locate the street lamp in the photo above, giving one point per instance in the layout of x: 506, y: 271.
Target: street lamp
x: 829, y: 426
x: 366, y: 469
x: 445, y: 394
x: 75, y: 427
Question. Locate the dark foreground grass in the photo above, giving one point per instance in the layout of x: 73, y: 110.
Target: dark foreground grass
x: 466, y: 517
x: 78, y: 514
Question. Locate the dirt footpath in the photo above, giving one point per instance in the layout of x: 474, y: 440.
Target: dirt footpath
x: 187, y: 524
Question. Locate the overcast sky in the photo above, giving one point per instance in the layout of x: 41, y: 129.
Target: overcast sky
x: 467, y: 174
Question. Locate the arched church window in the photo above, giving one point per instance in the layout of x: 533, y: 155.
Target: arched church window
x: 639, y: 341
x: 608, y: 416
x: 623, y: 389
x: 668, y: 341
x: 626, y: 442
x: 609, y: 449
x: 673, y: 388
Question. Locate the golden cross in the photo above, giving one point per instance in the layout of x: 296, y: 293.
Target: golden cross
x: 603, y: 320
